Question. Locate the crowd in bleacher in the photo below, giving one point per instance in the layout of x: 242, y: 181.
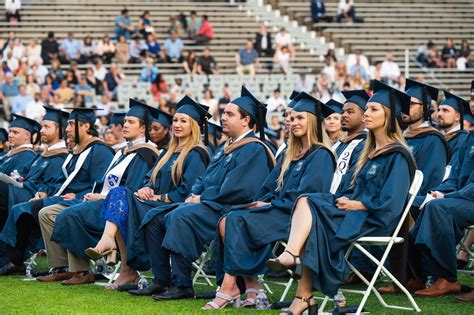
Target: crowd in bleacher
x: 429, y: 55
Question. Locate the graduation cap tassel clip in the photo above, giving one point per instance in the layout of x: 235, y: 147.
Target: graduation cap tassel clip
x: 393, y: 114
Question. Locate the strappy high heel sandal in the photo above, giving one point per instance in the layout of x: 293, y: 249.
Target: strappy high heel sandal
x: 311, y: 308
x: 250, y: 302
x: 227, y: 298
x: 110, y: 254
x: 295, y: 269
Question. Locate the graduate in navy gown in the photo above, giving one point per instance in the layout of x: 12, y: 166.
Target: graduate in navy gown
x: 451, y: 112
x: 424, y: 141
x: 216, y: 137
x: 116, y: 128
x: 43, y: 175
x: 245, y: 236
x: 332, y: 124
x: 160, y: 132
x: 169, y: 181
x: 233, y: 177
x: 324, y: 225
x: 441, y: 224
x: 21, y: 135
x: 83, y: 168
x: 3, y: 142
x: 78, y: 227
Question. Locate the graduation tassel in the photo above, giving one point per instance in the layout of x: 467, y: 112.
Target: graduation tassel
x: 147, y: 127
x: 60, y: 129
x: 206, y: 131
x: 319, y: 123
x: 76, y: 129
x: 461, y: 121
x: 261, y: 123
x: 426, y: 112
x: 393, y: 120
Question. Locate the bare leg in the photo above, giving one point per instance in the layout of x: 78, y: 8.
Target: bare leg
x: 252, y: 283
x: 463, y: 255
x: 228, y: 287
x: 107, y: 240
x: 222, y: 228
x: 304, y: 290
x: 127, y: 274
x: 301, y: 223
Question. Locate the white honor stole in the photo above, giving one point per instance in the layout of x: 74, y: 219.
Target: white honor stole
x: 113, y: 175
x: 343, y: 162
x: 77, y: 168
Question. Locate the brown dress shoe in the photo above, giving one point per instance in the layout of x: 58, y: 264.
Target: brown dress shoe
x: 465, y: 298
x: 412, y: 285
x: 55, y: 276
x: 440, y: 288
x: 81, y: 277
x: 354, y: 279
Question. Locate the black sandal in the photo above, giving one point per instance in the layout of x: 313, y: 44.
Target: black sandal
x: 312, y: 308
x: 294, y: 269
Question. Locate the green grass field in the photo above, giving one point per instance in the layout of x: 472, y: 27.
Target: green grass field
x: 31, y: 297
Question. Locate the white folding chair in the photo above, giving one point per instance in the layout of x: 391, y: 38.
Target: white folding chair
x: 286, y: 285
x: 199, y: 264
x: 387, y: 241
x: 470, y: 265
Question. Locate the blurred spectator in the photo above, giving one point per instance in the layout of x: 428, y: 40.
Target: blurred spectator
x: 33, y: 51
x: 375, y: 71
x: 341, y: 74
x: 424, y: 55
x: 56, y: 102
x: 318, y: 11
x: 193, y: 24
x: 449, y: 54
x: 144, y: 24
x: 23, y: 70
x: 12, y: 11
x: 123, y: 25
x: 105, y: 105
x: 19, y: 102
x: 8, y: 91
x: 247, y: 59
x: 78, y: 101
x: 305, y: 83
x: 275, y: 102
x: 31, y: 86
x: 49, y: 84
x: 464, y: 53
x: 283, y: 38
x: 263, y: 42
x: 173, y: 49
x: 64, y: 93
x: 112, y: 81
x: 177, y: 88
x: 84, y: 89
x: 224, y: 100
x: 153, y: 47
x: 329, y: 68
x: 159, y: 87
x: 206, y: 64
x: 175, y: 25
x: 205, y: 33
x: 149, y: 71
x: 351, y: 60
x: 122, y: 50
x: 357, y: 68
x: 209, y: 100
x: 137, y: 49
x: 70, y: 49
x: 282, y: 60
x: 39, y: 71
x: 324, y: 87
x: 357, y: 81
x: 346, y: 11
x: 389, y: 69
x: 49, y: 49
x: 105, y: 49
x: 11, y: 37
x: 99, y: 69
x: 93, y: 81
x: 190, y: 63
x: 5, y: 68
x: 88, y: 50
x: 11, y: 61
x: 163, y: 105
x: 19, y: 50
x: 55, y: 71
x: 400, y: 84
x: 34, y: 109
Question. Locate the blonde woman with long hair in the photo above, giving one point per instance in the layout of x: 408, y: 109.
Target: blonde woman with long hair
x: 324, y: 225
x: 169, y: 181
x: 332, y: 123
x: 248, y: 233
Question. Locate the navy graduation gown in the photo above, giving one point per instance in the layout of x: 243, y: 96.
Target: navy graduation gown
x: 455, y: 141
x: 333, y: 230
x: 431, y: 157
x: 93, y: 168
x: 231, y: 179
x: 249, y: 233
x: 441, y: 223
x: 81, y: 226
x: 18, y: 159
x: 194, y: 165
